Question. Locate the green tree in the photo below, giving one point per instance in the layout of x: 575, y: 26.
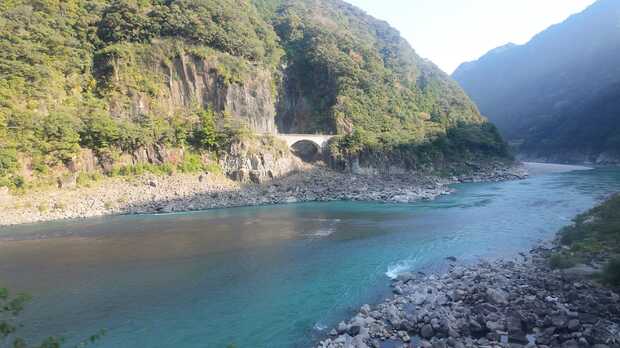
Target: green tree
x: 11, y: 306
x: 99, y: 131
x: 59, y: 138
x: 205, y: 134
x: 124, y: 20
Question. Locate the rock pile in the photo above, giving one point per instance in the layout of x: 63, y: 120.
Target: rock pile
x: 502, y: 304
x: 186, y: 192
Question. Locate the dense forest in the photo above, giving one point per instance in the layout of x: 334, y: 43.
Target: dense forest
x: 558, y: 96
x: 114, y: 77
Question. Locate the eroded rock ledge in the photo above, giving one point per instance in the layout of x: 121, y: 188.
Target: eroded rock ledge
x: 519, y: 303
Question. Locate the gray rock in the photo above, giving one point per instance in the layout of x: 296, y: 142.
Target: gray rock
x: 365, y: 309
x: 497, y: 296
x: 342, y: 327
x: 354, y: 330
x: 494, y: 326
x: 427, y: 331
x: 405, y: 277
x: 573, y: 325
x: 559, y: 320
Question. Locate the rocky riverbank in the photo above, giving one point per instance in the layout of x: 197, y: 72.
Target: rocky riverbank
x: 187, y: 192
x: 521, y: 303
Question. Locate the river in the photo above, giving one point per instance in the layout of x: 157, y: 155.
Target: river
x: 273, y: 276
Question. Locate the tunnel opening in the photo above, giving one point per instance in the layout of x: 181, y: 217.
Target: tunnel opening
x: 307, y: 150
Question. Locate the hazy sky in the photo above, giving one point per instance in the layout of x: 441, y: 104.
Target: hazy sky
x: 450, y: 32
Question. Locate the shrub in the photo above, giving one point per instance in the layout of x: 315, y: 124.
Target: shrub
x: 43, y: 208
x: 562, y: 261
x: 213, y: 168
x: 17, y: 181
x: 59, y: 140
x: 205, y: 135
x: 191, y: 163
x: 8, y: 161
x: 611, y: 272
x: 85, y: 179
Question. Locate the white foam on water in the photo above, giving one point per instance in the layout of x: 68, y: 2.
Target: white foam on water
x: 323, y: 232
x: 399, y: 267
x: 319, y: 326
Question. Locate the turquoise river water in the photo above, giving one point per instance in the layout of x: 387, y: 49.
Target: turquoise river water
x: 274, y: 276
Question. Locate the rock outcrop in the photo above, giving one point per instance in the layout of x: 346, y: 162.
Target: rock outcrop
x: 258, y: 160
x: 189, y: 81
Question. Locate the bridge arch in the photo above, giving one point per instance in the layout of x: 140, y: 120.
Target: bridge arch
x: 309, y: 147
x: 306, y: 149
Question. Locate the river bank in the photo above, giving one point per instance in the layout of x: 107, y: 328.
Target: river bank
x: 190, y: 192
x: 514, y: 303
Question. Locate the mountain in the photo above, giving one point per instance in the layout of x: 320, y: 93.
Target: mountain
x: 558, y: 96
x: 123, y: 82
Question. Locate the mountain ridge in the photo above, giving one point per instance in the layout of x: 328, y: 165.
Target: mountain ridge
x: 540, y: 94
x: 124, y: 78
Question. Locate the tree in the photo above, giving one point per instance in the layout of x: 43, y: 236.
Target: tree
x: 206, y: 135
x: 124, y: 20
x: 59, y: 138
x: 11, y: 306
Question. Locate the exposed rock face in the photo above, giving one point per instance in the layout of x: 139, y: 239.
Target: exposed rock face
x: 196, y: 79
x: 85, y: 161
x: 258, y: 160
x: 191, y: 81
x: 296, y: 112
x: 157, y: 154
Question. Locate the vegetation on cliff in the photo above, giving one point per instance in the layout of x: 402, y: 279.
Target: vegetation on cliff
x: 117, y: 76
x: 366, y: 82
x: 558, y: 96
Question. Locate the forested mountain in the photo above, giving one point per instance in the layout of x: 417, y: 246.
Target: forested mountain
x: 558, y: 96
x: 125, y: 79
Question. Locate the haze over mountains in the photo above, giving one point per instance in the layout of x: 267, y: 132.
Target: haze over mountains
x: 556, y: 98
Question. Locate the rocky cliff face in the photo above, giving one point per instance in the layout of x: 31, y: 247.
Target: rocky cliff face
x: 194, y: 79
x: 189, y: 81
x: 258, y: 160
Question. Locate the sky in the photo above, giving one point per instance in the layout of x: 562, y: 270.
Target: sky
x: 450, y: 32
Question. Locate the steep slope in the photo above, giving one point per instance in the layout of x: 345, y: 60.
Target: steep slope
x: 558, y: 96
x: 132, y: 81
x: 349, y: 73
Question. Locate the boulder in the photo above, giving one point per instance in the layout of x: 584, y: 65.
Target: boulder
x: 354, y: 330
x: 427, y: 331
x: 497, y: 296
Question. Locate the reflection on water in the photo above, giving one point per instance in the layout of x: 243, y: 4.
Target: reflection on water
x: 267, y: 276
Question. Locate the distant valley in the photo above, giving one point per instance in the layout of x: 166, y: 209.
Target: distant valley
x: 556, y: 98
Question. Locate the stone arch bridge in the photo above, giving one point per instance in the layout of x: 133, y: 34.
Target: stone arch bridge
x: 308, y: 147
